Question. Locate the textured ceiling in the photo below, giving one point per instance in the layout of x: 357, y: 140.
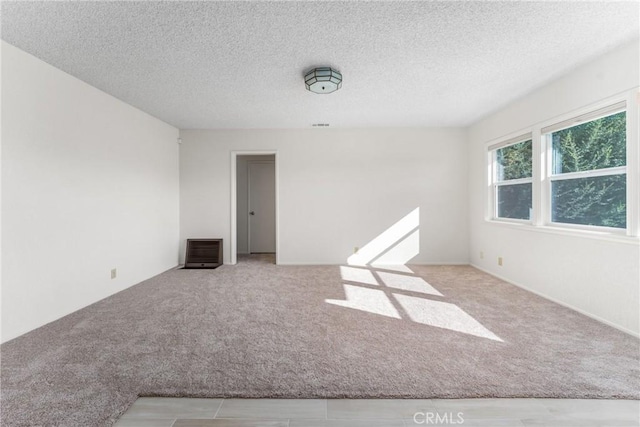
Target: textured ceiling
x: 240, y: 64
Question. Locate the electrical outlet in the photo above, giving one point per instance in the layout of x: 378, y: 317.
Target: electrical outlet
x: 355, y: 249
x: 114, y: 273
x: 500, y: 260
x: 481, y: 255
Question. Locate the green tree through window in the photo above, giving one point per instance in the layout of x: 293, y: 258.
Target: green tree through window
x: 514, y: 161
x: 513, y: 180
x: 591, y: 200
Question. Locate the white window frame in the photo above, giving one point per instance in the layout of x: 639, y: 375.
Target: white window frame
x: 496, y: 184
x: 628, y: 101
x: 550, y: 177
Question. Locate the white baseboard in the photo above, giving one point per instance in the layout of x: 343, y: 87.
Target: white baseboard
x: 307, y: 263
x: 345, y: 264
x: 440, y: 263
x: 564, y: 304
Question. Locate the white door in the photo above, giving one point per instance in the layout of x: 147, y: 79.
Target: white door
x: 262, y: 207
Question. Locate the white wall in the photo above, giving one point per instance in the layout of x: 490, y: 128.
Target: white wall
x: 88, y: 184
x: 242, y: 211
x: 599, y: 278
x: 338, y: 189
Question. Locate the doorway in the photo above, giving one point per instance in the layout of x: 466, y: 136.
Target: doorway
x: 254, y: 188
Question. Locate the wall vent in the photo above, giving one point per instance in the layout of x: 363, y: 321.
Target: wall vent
x: 203, y: 253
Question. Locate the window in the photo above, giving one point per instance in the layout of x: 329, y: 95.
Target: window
x: 576, y: 175
x: 587, y: 171
x: 512, y: 180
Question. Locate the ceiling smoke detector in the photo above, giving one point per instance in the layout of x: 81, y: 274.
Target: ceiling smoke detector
x: 323, y: 80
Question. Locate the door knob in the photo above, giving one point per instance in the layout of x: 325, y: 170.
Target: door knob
x: 252, y: 213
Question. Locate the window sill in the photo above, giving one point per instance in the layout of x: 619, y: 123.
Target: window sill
x: 587, y: 234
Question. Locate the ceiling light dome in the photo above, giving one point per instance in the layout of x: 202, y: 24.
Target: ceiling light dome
x: 323, y: 80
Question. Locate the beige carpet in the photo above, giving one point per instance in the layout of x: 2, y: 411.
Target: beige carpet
x: 260, y: 330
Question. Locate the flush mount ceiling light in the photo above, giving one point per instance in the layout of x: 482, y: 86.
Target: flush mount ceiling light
x: 323, y: 80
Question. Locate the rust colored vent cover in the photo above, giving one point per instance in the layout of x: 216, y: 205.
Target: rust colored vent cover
x: 203, y: 253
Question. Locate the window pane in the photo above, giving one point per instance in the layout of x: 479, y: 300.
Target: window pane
x: 591, y: 201
x: 514, y: 201
x: 593, y: 145
x: 514, y: 161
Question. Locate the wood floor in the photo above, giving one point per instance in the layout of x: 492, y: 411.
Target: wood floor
x: 186, y: 412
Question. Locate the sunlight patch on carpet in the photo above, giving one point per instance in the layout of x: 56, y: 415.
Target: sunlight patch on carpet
x: 365, y: 299
x: 407, y: 283
x: 390, y: 251
x: 359, y: 275
x: 443, y: 315
x: 397, y: 268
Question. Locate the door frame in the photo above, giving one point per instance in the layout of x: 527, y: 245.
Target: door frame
x: 233, y: 244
